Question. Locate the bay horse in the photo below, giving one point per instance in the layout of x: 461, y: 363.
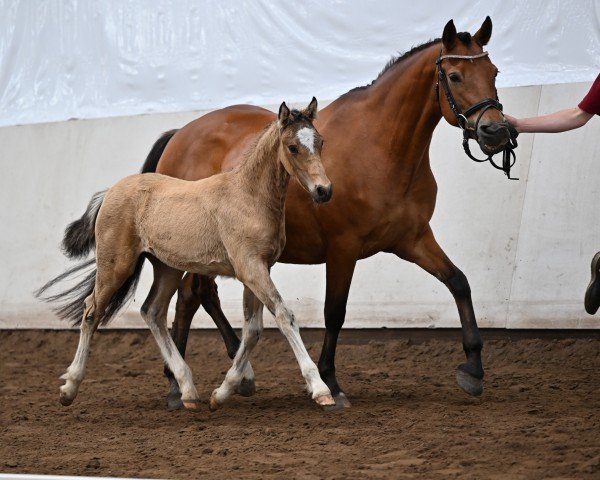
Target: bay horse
x: 229, y: 224
x: 377, y: 155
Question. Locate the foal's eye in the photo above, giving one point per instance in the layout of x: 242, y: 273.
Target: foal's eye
x: 454, y: 77
x: 293, y: 149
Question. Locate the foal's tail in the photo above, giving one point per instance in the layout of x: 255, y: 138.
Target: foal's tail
x: 156, y: 152
x: 80, y: 235
x: 79, y: 239
x: 71, y: 301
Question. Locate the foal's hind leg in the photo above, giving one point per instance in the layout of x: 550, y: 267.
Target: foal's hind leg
x: 108, y: 281
x: 236, y: 377
x: 154, y: 312
x: 428, y: 255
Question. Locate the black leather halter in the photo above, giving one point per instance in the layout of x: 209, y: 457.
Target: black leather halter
x: 508, y: 155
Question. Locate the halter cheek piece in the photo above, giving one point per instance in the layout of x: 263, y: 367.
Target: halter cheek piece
x: 508, y: 155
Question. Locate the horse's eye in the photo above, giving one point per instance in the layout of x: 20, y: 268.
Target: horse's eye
x: 454, y: 77
x: 293, y: 149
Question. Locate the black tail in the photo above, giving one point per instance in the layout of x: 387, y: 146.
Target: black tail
x: 80, y: 235
x: 72, y: 300
x: 157, y: 150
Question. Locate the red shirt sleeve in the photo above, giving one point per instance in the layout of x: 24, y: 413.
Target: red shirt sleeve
x: 591, y: 102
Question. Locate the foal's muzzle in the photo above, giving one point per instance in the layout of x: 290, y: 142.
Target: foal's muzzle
x: 322, y: 193
x: 492, y: 137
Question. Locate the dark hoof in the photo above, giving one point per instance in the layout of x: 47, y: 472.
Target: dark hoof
x: 65, y: 401
x: 341, y: 403
x: 246, y: 388
x: 174, y: 401
x: 473, y: 386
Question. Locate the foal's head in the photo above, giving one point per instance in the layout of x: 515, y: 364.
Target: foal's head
x: 471, y: 81
x: 300, y: 150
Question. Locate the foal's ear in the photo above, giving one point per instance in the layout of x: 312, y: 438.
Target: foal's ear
x: 449, y: 35
x: 483, y: 35
x: 284, y: 113
x: 311, y: 110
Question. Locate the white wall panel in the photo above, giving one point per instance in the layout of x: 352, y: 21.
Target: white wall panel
x: 560, y: 227
x: 62, y: 59
x: 525, y: 246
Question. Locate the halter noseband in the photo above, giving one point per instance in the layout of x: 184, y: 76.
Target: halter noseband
x: 508, y: 155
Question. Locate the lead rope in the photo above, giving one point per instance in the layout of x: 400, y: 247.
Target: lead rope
x: 509, y: 157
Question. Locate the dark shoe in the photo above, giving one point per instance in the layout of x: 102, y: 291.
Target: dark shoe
x: 592, y: 294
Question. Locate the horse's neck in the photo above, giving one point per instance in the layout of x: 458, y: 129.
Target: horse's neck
x: 408, y: 107
x: 262, y: 174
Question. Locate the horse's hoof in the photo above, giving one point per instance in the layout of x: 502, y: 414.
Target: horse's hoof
x: 325, y: 400
x: 191, y: 404
x: 473, y: 386
x: 213, y: 405
x: 246, y: 388
x: 174, y: 401
x: 65, y: 400
x: 341, y: 403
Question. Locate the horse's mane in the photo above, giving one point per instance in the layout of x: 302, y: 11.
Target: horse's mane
x: 464, y: 37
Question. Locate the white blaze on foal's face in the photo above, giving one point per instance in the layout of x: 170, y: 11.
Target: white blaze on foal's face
x: 306, y: 136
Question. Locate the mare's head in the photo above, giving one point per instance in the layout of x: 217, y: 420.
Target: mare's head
x: 471, y: 81
x: 300, y: 150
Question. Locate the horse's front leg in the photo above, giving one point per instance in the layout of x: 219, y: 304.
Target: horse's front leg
x: 340, y: 268
x: 428, y: 255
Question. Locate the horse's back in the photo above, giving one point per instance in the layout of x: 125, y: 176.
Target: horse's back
x: 214, y: 142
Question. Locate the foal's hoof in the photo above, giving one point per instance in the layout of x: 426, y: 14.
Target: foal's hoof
x: 191, y: 404
x: 246, y: 388
x: 65, y: 400
x: 213, y: 405
x: 325, y: 400
x: 341, y: 403
x: 174, y: 401
x: 473, y: 386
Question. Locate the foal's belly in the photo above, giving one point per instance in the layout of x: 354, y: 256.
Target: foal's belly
x: 210, y: 265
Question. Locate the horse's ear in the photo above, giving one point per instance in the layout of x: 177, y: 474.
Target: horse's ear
x: 449, y: 35
x: 311, y: 110
x: 483, y: 35
x: 284, y: 114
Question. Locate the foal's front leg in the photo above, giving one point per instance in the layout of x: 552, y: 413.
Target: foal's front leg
x: 257, y: 278
x: 240, y: 376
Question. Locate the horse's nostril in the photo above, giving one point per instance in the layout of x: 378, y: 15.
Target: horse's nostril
x: 323, y: 193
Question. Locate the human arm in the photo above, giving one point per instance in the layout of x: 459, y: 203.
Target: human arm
x: 560, y: 121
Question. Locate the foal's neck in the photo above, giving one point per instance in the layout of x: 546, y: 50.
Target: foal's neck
x: 262, y: 174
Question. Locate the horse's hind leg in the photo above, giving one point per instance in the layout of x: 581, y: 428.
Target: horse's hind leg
x: 428, y: 255
x: 237, y: 375
x: 107, y: 282
x: 154, y: 312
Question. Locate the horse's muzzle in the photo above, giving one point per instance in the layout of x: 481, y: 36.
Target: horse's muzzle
x: 492, y: 137
x: 322, y: 193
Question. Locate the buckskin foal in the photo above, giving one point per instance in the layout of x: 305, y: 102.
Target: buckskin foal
x: 230, y: 224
